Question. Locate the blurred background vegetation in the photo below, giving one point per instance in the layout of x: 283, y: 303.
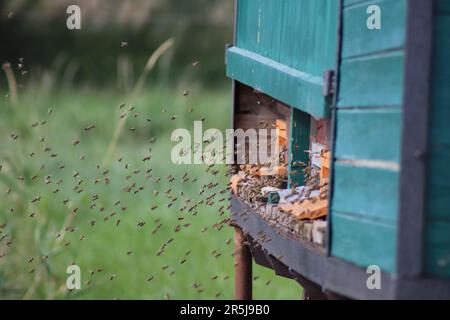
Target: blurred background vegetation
x: 59, y: 199
x: 94, y: 56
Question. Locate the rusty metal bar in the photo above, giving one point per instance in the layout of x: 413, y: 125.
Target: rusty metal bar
x: 242, y: 267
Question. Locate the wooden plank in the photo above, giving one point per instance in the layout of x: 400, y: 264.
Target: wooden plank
x: 438, y: 234
x: 437, y: 246
x: 440, y: 109
x: 437, y: 261
x: 369, y: 192
x: 359, y: 40
x: 438, y: 191
x: 293, y: 87
x: 372, y: 81
x: 442, y: 7
x: 301, y: 34
x: 368, y: 134
x: 363, y: 241
x: 300, y: 138
x: 293, y: 43
x: 348, y: 3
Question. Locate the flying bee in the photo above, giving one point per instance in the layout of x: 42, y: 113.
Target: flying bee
x: 90, y: 127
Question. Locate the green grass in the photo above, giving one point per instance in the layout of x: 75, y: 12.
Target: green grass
x: 106, y: 245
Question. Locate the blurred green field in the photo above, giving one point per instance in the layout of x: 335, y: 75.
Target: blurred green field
x: 33, y: 265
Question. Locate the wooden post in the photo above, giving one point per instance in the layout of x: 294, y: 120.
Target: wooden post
x: 242, y: 267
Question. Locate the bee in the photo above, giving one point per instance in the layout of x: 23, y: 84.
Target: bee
x: 124, y: 44
x: 150, y: 279
x: 186, y: 93
x: 141, y: 224
x: 90, y: 127
x: 195, y: 64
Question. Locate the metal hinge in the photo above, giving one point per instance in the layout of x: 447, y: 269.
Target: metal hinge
x: 328, y: 83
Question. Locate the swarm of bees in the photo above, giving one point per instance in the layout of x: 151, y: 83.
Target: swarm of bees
x: 169, y: 191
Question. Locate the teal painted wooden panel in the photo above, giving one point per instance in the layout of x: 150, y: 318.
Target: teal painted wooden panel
x: 372, y: 81
x: 359, y: 40
x: 300, y: 130
x: 437, y: 243
x: 301, y: 34
x: 440, y: 113
x: 288, y: 85
x: 283, y: 49
x: 348, y: 3
x: 369, y: 192
x: 372, y: 134
x: 438, y: 232
x: 438, y: 191
x: 442, y: 7
x: 363, y: 241
x: 438, y: 261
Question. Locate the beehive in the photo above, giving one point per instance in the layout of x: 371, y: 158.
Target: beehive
x: 386, y: 94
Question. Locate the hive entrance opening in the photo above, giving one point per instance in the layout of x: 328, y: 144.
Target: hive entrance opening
x: 289, y: 190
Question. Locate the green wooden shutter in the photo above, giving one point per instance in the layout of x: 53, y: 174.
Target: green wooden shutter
x: 283, y: 49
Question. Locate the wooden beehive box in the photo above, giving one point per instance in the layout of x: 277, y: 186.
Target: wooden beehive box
x: 388, y: 105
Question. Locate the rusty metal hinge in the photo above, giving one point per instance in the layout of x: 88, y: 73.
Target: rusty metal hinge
x: 328, y: 83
